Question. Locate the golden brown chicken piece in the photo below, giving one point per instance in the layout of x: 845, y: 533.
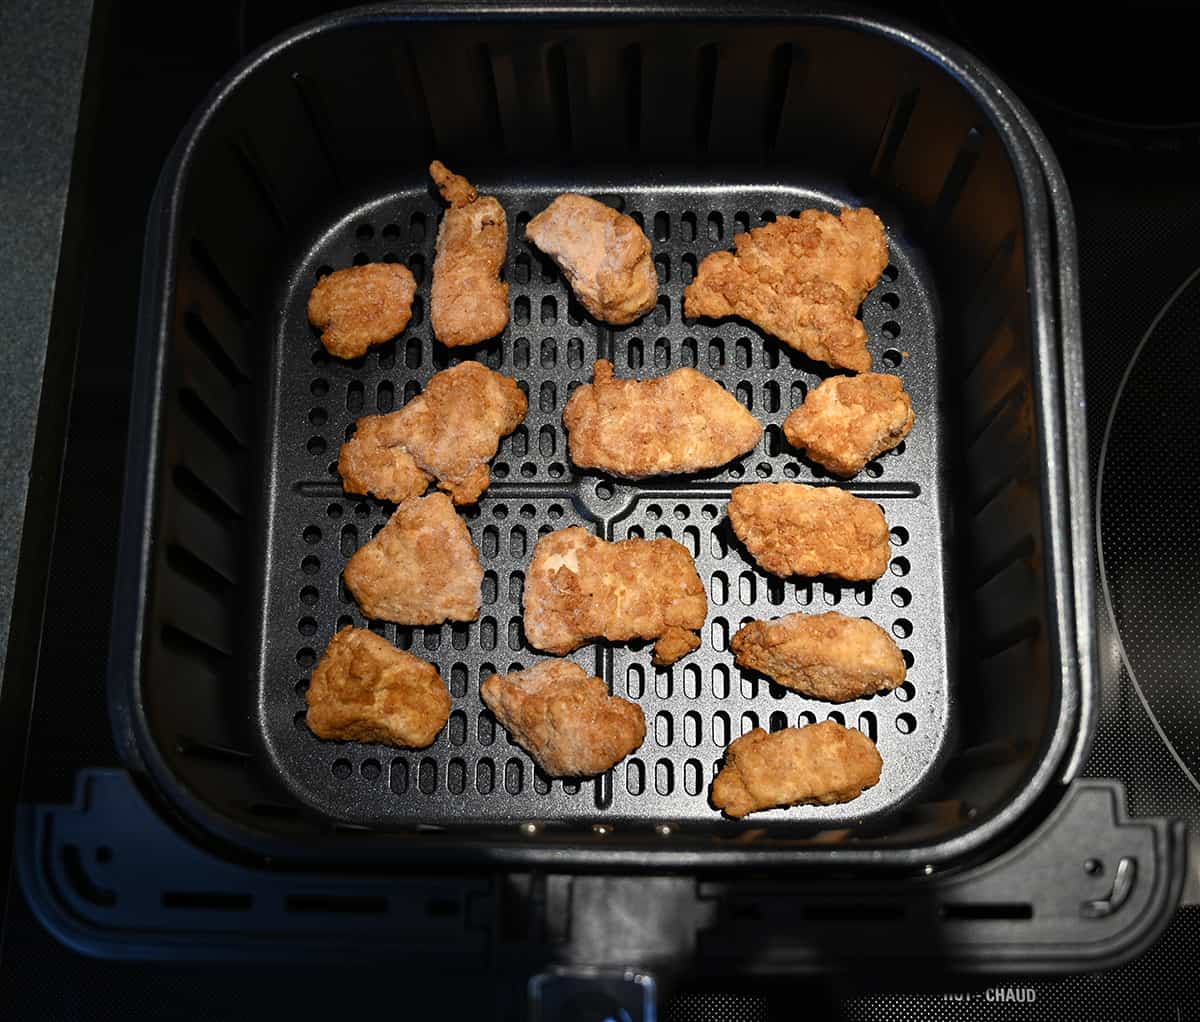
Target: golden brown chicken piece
x: 826, y: 656
x: 361, y: 306
x: 375, y: 461
x: 469, y: 300
x: 366, y: 690
x: 674, y: 644
x: 422, y: 568
x: 604, y: 255
x: 848, y: 420
x: 582, y: 588
x: 449, y: 432
x: 565, y: 719
x: 801, y: 279
x: 793, y: 529
x: 681, y: 422
x: 821, y: 764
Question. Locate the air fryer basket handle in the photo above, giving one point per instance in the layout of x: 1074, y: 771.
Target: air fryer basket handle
x: 1090, y: 888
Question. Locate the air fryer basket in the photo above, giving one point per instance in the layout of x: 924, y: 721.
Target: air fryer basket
x: 312, y: 156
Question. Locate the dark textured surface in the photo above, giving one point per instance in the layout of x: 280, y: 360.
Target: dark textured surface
x: 692, y: 709
x: 1150, y: 572
x: 42, y: 52
x: 1137, y: 248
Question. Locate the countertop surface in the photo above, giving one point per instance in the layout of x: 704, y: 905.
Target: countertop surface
x: 43, y: 52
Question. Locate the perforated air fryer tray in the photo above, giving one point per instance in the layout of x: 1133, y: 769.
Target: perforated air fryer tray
x: 693, y: 709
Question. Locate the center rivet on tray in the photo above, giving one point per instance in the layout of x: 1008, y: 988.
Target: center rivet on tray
x: 529, y: 829
x: 601, y: 829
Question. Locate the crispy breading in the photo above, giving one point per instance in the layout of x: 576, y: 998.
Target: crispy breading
x: 361, y: 306
x: 674, y: 644
x: 581, y: 588
x: 801, y: 279
x: 366, y: 690
x: 681, y: 422
x: 469, y: 300
x: 565, y: 719
x: 793, y: 529
x: 374, y: 461
x: 604, y: 255
x: 848, y: 420
x: 826, y: 656
x: 422, y: 568
x: 450, y: 432
x: 821, y: 764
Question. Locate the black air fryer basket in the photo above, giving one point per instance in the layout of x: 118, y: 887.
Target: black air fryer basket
x: 313, y: 155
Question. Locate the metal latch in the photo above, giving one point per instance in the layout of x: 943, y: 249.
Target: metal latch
x: 1122, y: 886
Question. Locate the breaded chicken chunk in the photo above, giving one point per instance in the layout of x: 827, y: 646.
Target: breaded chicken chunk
x: 801, y: 279
x: 469, y: 300
x: 366, y: 690
x: 449, y: 432
x: 826, y: 656
x: 604, y: 255
x: 361, y: 306
x: 422, y: 568
x: 848, y: 420
x: 821, y: 764
x: 565, y: 719
x: 581, y: 588
x: 793, y: 529
x: 681, y: 422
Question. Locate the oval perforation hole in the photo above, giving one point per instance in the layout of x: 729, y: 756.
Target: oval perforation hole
x: 456, y: 776
x: 635, y: 776
x: 485, y: 776
x: 664, y: 777
x: 514, y: 776
x: 720, y: 729
x: 720, y: 681
x: 398, y: 776
x: 635, y: 681
x: 664, y: 728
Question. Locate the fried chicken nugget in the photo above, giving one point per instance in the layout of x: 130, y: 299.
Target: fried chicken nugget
x: 826, y: 656
x: 793, y: 529
x: 848, y: 420
x: 361, y: 306
x: 366, y: 690
x: 801, y: 279
x: 581, y: 588
x: 422, y: 568
x: 821, y: 764
x: 604, y: 255
x: 449, y: 432
x: 469, y: 301
x: 681, y: 422
x: 565, y: 719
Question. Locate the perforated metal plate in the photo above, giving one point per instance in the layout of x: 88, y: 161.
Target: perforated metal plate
x: 473, y: 772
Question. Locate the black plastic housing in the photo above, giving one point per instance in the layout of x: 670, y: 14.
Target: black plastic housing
x: 312, y: 154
